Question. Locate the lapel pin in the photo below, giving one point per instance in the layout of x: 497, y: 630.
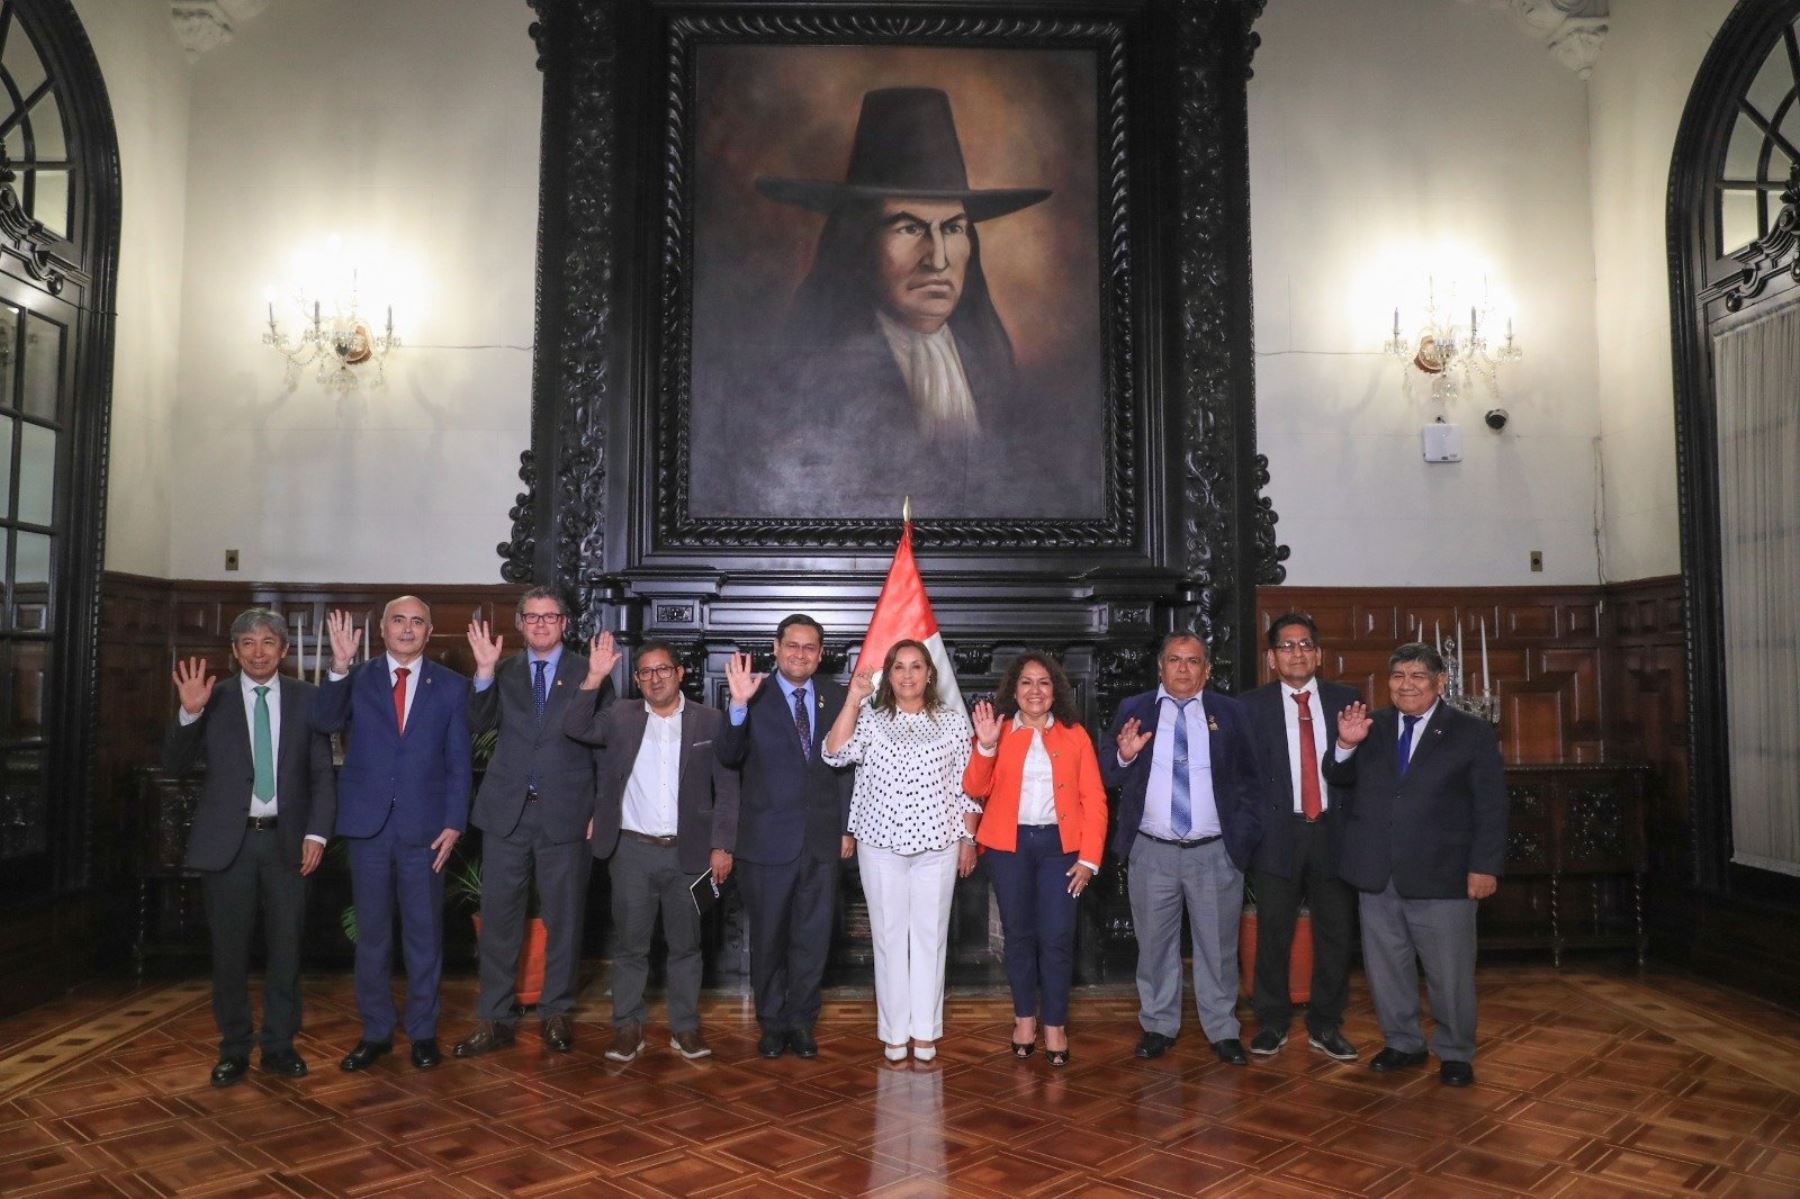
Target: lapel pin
x: 1212, y: 724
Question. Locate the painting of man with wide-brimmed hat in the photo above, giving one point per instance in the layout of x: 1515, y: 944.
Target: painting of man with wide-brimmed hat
x: 891, y: 364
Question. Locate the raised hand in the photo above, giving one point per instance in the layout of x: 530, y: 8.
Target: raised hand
x: 345, y: 637
x: 602, y: 657
x: 193, y: 686
x: 862, y: 685
x: 1131, y: 741
x: 1353, y: 724
x: 987, y: 725
x: 485, y: 647
x: 741, y: 681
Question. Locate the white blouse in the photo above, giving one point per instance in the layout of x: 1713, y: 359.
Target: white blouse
x: 908, y: 796
x: 1037, y: 784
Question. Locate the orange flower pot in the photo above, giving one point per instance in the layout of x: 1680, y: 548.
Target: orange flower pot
x: 1300, y: 959
x: 529, y: 984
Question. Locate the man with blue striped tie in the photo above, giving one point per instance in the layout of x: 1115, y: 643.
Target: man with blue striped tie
x: 1190, y: 816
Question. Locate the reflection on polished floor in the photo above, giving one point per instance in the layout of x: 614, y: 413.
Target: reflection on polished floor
x: 1592, y: 1081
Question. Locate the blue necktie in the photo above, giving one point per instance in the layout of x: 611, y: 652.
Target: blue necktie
x: 802, y: 724
x: 539, y: 696
x: 1406, y: 742
x: 1181, y: 805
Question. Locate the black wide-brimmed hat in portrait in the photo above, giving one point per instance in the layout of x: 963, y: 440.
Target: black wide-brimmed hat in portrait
x: 905, y: 146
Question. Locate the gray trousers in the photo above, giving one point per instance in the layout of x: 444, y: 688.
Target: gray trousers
x: 1164, y: 879
x: 646, y: 878
x: 1398, y: 934
x: 562, y: 876
x: 260, y: 877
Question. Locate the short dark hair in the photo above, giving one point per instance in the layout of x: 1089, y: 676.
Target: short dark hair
x: 1417, y: 651
x: 537, y: 593
x: 1287, y: 618
x: 654, y: 645
x: 1182, y: 635
x: 800, y: 618
x: 1062, y: 703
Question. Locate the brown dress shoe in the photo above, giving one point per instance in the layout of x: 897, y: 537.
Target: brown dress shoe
x: 559, y: 1034
x: 488, y: 1036
x: 690, y: 1044
x: 628, y: 1042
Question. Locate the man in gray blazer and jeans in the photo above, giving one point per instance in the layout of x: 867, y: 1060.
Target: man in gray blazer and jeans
x: 667, y: 812
x: 259, y: 829
x: 533, y: 810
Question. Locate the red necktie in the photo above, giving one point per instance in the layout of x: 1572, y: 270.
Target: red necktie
x: 1311, y: 803
x: 400, y: 673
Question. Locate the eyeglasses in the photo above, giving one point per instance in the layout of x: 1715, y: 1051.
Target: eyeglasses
x: 541, y: 618
x: 1289, y: 647
x: 647, y: 674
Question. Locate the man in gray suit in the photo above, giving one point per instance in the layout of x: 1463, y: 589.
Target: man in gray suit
x: 533, y: 809
x: 667, y: 812
x: 265, y: 811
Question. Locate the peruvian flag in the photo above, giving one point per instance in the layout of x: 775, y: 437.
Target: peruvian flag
x: 904, y: 612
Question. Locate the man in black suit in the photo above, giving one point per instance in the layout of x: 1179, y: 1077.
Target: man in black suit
x: 1424, y: 840
x: 791, y: 831
x: 1190, y: 815
x: 1292, y: 720
x: 666, y: 813
x: 534, y: 808
x: 259, y: 829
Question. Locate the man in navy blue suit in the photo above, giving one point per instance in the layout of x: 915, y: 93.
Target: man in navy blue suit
x: 403, y: 800
x: 792, y: 812
x: 1189, y: 821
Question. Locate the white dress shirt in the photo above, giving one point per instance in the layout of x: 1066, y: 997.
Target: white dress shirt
x: 261, y: 809
x: 1037, y: 786
x: 1290, y: 711
x: 1203, y: 813
x: 652, y: 794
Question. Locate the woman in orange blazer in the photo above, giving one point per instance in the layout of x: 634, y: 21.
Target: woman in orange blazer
x: 1042, y: 831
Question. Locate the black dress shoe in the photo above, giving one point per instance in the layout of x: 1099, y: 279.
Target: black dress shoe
x: 1267, y: 1042
x: 488, y: 1036
x: 366, y: 1054
x: 1331, y: 1044
x: 772, y: 1044
x: 559, y: 1034
x: 229, y: 1070
x: 1231, y: 1052
x: 1391, y: 1059
x: 425, y: 1053
x: 284, y: 1062
x: 1153, y: 1044
x: 800, y: 1040
x: 1456, y: 1074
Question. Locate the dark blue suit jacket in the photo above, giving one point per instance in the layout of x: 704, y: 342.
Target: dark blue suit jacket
x: 787, y: 802
x: 1268, y: 730
x: 1237, y: 783
x: 423, y: 776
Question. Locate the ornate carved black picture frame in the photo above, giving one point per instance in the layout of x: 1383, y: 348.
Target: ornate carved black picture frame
x: 1181, y: 535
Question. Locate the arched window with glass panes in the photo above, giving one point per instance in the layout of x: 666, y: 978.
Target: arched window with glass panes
x: 58, y: 244
x: 1734, y: 254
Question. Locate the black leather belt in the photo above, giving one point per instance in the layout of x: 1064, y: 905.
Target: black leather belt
x: 261, y: 824
x: 1184, y: 844
x: 1302, y: 816
x: 665, y: 842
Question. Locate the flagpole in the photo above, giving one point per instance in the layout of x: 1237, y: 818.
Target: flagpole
x: 906, y: 510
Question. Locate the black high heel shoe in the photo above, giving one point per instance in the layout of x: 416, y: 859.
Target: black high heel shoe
x: 1057, y: 1057
x: 1024, y: 1049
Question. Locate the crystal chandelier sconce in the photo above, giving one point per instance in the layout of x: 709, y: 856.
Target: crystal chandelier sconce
x: 339, y: 342
x: 1469, y: 694
x: 1459, y: 359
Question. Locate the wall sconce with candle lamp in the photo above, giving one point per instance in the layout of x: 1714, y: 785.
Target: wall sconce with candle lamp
x: 1457, y: 358
x: 334, y: 334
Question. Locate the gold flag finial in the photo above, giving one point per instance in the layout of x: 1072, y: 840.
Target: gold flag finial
x: 906, y: 510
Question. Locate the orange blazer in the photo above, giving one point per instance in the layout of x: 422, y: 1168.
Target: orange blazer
x: 1075, y: 774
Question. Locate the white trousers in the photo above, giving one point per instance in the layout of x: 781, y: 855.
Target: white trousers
x: 909, y: 920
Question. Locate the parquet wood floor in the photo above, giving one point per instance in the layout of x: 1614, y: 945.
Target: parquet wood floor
x: 1590, y: 1082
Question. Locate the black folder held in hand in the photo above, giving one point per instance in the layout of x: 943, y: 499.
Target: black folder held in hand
x: 708, y: 894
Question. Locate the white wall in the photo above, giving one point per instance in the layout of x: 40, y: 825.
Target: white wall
x: 1637, y: 94
x: 1377, y: 131
x: 147, y: 82
x: 412, y: 124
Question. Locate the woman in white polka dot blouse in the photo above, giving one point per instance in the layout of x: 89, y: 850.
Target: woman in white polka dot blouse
x: 912, y: 830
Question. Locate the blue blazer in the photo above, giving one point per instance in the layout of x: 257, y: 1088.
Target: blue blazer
x: 423, y: 778
x: 787, y: 803
x: 1237, y: 787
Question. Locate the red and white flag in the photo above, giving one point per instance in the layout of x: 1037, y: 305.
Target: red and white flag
x: 903, y: 612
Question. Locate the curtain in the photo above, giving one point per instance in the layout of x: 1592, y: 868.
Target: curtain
x: 1757, y: 369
